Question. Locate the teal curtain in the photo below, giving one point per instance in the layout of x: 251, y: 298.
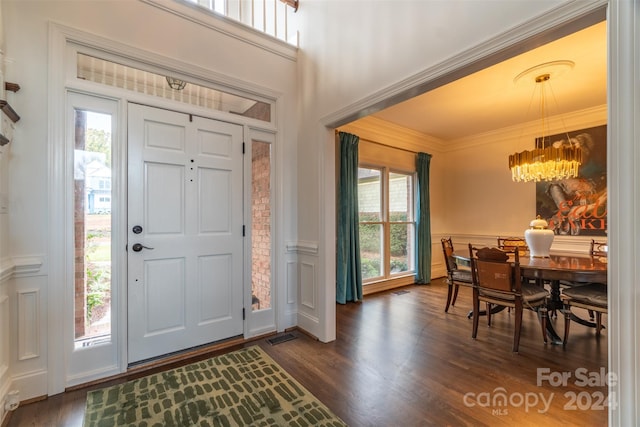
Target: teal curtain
x: 348, y: 272
x: 423, y: 221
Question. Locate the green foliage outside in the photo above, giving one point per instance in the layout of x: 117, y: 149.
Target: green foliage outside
x: 98, y: 284
x: 370, y: 268
x: 370, y: 238
x: 99, y: 141
x: 371, y: 242
x: 98, y: 276
x: 398, y: 266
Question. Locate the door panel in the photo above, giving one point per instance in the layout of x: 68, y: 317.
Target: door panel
x: 165, y: 136
x: 164, y: 295
x: 215, y: 196
x: 163, y: 188
x: 216, y: 288
x: 186, y: 192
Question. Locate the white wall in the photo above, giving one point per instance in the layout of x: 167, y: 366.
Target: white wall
x: 350, y: 52
x: 481, y: 198
x: 6, y: 267
x: 196, y: 43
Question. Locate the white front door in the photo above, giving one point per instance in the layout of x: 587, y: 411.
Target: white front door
x: 185, y: 231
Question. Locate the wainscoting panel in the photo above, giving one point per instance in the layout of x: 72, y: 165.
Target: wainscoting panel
x: 292, y: 282
x: 308, y: 285
x: 28, y: 324
x: 5, y: 378
x: 4, y: 334
x: 573, y: 244
x: 302, y: 286
x: 438, y: 268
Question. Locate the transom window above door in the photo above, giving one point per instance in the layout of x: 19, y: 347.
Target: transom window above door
x: 111, y: 73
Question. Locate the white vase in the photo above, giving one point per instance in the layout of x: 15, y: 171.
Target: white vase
x: 539, y: 238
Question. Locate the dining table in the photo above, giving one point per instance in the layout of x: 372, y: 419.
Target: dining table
x: 559, y: 269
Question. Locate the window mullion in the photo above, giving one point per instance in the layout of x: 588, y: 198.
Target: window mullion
x: 386, y: 226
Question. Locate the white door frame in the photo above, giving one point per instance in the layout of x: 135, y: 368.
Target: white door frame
x: 62, y: 42
x: 264, y: 320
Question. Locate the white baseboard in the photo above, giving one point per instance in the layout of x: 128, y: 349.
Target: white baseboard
x: 4, y: 389
x: 308, y: 323
x: 31, y: 384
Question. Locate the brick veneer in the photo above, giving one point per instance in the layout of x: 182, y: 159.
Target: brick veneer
x: 261, y: 223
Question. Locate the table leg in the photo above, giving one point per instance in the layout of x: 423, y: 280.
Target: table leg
x: 582, y: 321
x: 553, y: 336
x: 555, y: 303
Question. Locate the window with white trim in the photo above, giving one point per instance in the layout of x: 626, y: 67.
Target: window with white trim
x: 387, y: 223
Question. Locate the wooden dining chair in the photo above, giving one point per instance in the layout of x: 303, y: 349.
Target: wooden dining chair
x: 456, y: 276
x: 512, y: 243
x: 592, y: 297
x: 497, y: 281
x: 599, y: 249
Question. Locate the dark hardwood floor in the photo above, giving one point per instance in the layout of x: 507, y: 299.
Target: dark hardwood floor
x: 399, y: 360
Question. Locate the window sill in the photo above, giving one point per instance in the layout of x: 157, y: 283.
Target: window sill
x: 384, y: 285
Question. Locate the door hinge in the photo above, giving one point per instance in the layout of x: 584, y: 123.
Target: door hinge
x: 243, y: 148
x: 243, y: 230
x: 243, y: 314
x: 190, y: 117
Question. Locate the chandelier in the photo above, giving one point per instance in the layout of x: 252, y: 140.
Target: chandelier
x: 546, y: 162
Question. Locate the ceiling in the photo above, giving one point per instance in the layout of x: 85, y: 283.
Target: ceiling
x: 490, y: 99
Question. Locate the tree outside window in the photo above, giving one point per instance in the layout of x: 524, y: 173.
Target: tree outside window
x: 387, y: 225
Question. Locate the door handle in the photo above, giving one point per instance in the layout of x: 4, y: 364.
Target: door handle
x: 137, y: 247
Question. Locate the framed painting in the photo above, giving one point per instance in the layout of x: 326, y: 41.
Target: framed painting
x: 577, y: 206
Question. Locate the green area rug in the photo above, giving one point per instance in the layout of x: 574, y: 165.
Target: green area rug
x: 241, y: 388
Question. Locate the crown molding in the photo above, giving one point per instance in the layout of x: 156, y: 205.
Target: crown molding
x: 575, y: 120
x: 547, y: 26
x: 383, y: 132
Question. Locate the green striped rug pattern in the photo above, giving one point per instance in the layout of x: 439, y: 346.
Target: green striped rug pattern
x: 241, y: 388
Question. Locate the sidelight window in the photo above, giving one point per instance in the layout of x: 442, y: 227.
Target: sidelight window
x: 92, y: 223
x: 260, y: 225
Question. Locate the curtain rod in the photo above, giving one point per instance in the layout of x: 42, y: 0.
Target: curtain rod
x: 385, y: 145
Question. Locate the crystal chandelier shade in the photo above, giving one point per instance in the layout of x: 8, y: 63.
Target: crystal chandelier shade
x: 545, y: 163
